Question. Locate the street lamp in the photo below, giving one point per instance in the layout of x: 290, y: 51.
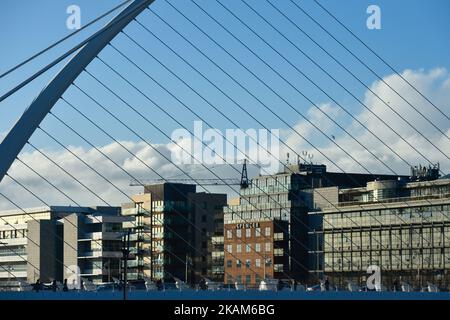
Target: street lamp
x: 10, y: 268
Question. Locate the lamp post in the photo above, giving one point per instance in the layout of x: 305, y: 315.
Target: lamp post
x: 3, y: 243
x: 126, y: 254
x: 10, y: 268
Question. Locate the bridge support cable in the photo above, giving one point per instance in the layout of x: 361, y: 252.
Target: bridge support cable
x: 129, y: 151
x: 344, y: 67
x: 85, y: 26
x: 241, y: 64
x: 21, y: 132
x: 237, y: 82
x: 344, y: 171
x: 127, y: 81
x: 42, y: 115
x: 371, y: 50
x: 296, y: 68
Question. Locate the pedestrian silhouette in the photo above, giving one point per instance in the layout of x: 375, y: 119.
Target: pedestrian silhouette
x: 202, y: 284
x: 159, y: 285
x: 37, y: 285
x: 327, y: 284
x: 279, y: 285
x: 65, y: 287
x: 54, y: 286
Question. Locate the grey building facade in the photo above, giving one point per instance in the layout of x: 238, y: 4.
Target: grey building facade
x: 403, y: 227
x: 60, y: 242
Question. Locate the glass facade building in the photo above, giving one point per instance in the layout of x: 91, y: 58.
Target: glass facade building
x: 401, y: 227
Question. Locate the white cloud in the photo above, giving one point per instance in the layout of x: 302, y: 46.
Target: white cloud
x: 88, y: 177
x: 434, y: 84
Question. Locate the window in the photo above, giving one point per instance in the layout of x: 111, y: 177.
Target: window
x: 239, y: 279
x: 230, y: 248
x: 248, y: 278
x: 204, y: 218
x: 204, y: 245
x: 229, y: 234
x: 238, y: 233
x: 257, y: 278
x: 238, y: 248
x: 258, y: 263
x: 248, y: 263
x: 248, y: 233
x: 278, y: 236
x: 258, y: 232
x: 278, y: 268
x: 238, y: 263
x: 268, y: 246
x: 258, y: 247
x: 248, y: 247
x: 278, y: 251
x: 229, y: 263
x: 267, y: 231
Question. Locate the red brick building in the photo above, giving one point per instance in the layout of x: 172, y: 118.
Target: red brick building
x: 254, y: 251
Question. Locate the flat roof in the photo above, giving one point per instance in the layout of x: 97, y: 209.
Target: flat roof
x: 43, y: 209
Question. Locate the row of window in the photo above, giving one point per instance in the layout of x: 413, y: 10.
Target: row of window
x: 247, y: 279
x: 425, y: 214
x: 272, y: 214
x: 13, y: 234
x: 249, y: 246
x: 267, y: 199
x: 248, y: 263
x: 387, y: 239
x: 248, y: 232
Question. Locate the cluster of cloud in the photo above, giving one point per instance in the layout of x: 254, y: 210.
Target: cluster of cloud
x: 395, y: 148
x: 434, y: 84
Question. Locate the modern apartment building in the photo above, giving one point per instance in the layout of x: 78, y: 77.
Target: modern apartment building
x: 401, y: 226
x: 177, y: 226
x: 59, y: 242
x: 97, y: 236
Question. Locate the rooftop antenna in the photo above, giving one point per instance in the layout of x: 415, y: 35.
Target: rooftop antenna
x: 244, y: 176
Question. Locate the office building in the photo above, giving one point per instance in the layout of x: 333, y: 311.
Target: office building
x: 401, y: 226
x: 270, y: 223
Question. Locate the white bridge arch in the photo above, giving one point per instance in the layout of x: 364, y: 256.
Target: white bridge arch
x: 22, y: 131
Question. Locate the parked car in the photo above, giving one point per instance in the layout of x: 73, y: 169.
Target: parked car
x: 316, y: 287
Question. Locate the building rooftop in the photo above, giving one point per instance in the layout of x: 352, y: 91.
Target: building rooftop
x: 59, y: 209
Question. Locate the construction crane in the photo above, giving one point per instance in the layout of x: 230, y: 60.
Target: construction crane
x: 243, y: 182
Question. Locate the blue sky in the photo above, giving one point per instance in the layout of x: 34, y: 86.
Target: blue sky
x: 414, y: 36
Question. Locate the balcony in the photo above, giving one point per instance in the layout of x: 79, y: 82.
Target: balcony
x: 19, y: 257
x: 13, y: 275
